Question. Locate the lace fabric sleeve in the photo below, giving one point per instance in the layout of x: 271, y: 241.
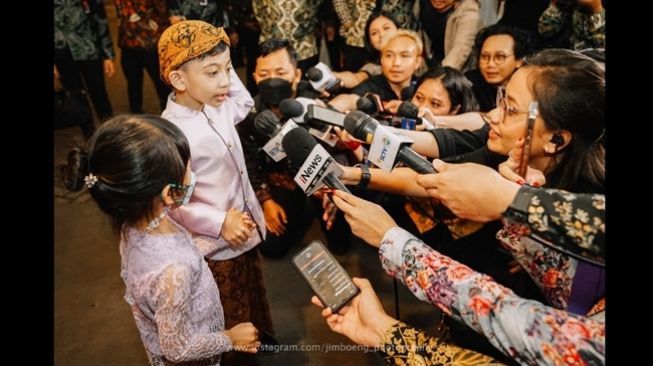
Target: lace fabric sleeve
x: 180, y: 339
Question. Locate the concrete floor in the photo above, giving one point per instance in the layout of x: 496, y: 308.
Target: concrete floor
x: 93, y: 323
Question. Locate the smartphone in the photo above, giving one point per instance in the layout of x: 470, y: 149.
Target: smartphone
x: 526, y: 152
x: 325, y: 275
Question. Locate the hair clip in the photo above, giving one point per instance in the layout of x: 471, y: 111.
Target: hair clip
x: 90, y: 180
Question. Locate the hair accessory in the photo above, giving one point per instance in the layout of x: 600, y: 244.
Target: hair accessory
x: 185, y: 40
x: 90, y: 180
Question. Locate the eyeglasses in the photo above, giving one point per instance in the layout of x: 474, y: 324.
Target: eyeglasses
x: 504, y: 108
x: 498, y: 58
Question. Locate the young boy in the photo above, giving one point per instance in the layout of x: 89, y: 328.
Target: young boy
x: 224, y: 214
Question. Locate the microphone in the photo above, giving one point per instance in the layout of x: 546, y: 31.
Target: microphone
x: 295, y: 108
x: 313, y: 164
x: 370, y: 103
x: 291, y: 108
x: 362, y: 127
x: 322, y: 78
x: 317, y: 116
x: 365, y: 105
x: 407, y: 115
x: 407, y: 92
x: 267, y: 123
x: 408, y: 109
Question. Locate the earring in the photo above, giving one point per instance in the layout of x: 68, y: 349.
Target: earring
x: 548, y: 149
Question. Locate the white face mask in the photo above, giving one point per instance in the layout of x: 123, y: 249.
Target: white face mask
x: 189, y: 190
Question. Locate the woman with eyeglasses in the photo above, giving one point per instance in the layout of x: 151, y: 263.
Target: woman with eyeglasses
x: 500, y: 50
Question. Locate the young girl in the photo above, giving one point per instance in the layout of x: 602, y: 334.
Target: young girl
x: 136, y: 169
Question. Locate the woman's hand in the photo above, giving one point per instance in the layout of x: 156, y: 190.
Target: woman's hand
x: 368, y: 220
x: 363, y: 321
x: 510, y: 167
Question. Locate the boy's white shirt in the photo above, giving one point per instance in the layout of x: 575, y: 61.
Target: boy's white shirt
x: 218, y: 161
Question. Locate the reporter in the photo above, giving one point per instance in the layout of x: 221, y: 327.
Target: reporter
x: 526, y: 330
x: 365, y: 322
x: 479, y: 193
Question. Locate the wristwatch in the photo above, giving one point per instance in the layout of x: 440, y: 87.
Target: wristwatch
x: 365, y: 176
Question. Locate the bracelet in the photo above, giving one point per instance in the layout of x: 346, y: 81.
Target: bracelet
x: 365, y: 176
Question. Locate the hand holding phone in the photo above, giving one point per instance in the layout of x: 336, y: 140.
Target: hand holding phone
x: 325, y: 275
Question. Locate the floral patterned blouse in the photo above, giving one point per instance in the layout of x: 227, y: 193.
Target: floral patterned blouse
x: 526, y: 330
x: 567, y: 283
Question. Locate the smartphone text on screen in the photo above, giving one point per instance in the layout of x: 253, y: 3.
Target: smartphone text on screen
x: 326, y: 276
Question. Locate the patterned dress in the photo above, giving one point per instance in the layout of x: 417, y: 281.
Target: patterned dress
x: 531, y: 333
x: 173, y: 297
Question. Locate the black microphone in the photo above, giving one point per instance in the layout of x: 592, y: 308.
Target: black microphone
x: 298, y: 145
x: 407, y: 92
x: 409, y: 110
x: 362, y: 127
x: 365, y: 105
x: 375, y: 106
x: 267, y: 123
x: 291, y: 108
x: 322, y: 78
x: 313, y: 74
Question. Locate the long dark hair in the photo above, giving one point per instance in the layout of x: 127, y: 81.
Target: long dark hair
x: 133, y: 158
x: 570, y: 90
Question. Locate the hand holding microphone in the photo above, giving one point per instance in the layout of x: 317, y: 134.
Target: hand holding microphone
x: 314, y: 166
x: 363, y: 127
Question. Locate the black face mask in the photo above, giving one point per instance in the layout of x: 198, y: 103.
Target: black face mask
x: 273, y: 91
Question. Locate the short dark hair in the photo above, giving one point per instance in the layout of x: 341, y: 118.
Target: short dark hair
x: 218, y: 49
x: 133, y: 157
x: 275, y: 44
x: 457, y: 85
x: 522, y: 39
x: 570, y: 90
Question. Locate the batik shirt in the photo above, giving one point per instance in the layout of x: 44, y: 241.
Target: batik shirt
x: 210, y: 11
x: 141, y: 22
x: 294, y: 20
x: 525, y: 330
x: 403, y: 345
x: 588, y: 30
x: 81, y: 25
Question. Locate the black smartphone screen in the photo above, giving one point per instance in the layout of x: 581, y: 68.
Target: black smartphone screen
x: 327, y: 278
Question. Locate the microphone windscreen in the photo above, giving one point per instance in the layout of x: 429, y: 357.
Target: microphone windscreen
x: 365, y: 105
x: 313, y: 74
x: 407, y: 92
x: 297, y: 144
x: 291, y: 108
x: 266, y: 123
x: 355, y: 123
x: 407, y: 109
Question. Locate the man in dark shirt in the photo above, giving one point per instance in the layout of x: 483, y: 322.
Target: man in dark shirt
x: 278, y: 77
x: 400, y: 58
